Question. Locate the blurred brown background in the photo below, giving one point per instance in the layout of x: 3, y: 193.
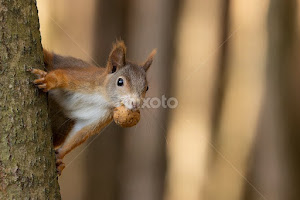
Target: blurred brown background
x: 234, y: 68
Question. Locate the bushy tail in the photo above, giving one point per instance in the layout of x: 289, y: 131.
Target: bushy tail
x: 48, y: 59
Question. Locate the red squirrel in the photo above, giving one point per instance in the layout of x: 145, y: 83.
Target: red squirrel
x: 82, y: 96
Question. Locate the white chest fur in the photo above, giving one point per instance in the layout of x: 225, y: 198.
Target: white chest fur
x: 82, y: 107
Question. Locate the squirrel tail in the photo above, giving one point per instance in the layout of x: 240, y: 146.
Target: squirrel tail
x: 48, y: 59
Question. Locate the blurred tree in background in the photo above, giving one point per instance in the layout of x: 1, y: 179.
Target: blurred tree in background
x: 275, y: 160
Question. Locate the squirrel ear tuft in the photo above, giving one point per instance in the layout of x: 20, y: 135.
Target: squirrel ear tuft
x: 149, y: 60
x: 117, y: 56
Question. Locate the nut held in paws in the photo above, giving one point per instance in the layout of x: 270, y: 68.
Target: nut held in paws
x: 125, y: 117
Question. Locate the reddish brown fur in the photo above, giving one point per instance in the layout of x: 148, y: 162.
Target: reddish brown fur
x: 76, y: 75
x: 116, y: 56
x: 48, y: 59
x: 74, y: 79
x: 81, y: 137
x: 149, y: 60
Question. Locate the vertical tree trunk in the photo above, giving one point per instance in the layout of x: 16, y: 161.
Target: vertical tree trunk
x: 195, y: 64
x: 222, y: 70
x: 240, y: 109
x: 27, y: 162
x: 276, y: 162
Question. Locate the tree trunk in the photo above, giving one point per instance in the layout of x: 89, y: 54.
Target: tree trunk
x: 27, y: 161
x: 238, y: 113
x: 275, y: 166
x: 221, y: 71
x: 283, y: 75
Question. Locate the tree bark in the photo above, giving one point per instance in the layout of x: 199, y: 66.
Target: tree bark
x: 27, y: 161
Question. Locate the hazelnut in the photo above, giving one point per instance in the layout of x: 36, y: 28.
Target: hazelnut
x: 125, y: 117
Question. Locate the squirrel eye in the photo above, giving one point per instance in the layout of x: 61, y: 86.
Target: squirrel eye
x: 114, y: 69
x: 120, y: 82
x: 147, y: 88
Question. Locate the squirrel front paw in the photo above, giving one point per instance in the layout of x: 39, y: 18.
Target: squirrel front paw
x: 43, y: 82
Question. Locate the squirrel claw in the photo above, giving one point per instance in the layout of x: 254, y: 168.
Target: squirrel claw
x: 59, y: 166
x: 41, y: 82
x: 42, y: 86
x: 59, y: 163
x: 38, y: 72
x: 38, y: 81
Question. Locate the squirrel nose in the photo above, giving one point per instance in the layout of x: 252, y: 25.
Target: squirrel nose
x: 135, y: 104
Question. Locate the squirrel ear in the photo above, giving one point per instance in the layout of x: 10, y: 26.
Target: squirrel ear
x: 117, y: 56
x: 149, y: 60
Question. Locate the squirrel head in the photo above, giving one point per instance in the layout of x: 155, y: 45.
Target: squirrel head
x: 127, y: 83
